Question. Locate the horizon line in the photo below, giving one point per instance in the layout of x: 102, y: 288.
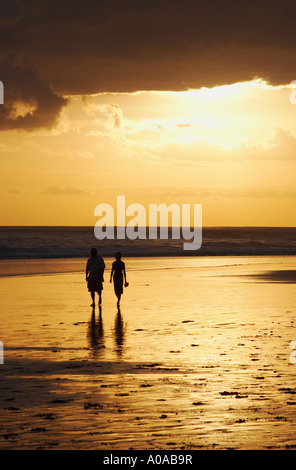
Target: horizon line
x: 147, y: 226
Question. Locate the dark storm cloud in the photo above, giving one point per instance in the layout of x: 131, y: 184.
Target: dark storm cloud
x: 127, y: 45
x: 29, y: 102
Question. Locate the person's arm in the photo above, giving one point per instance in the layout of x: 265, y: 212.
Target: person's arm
x: 86, y: 271
x: 112, y: 271
x: 124, y: 273
x: 103, y: 269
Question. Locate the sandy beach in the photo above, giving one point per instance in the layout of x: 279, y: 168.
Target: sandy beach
x: 197, y: 357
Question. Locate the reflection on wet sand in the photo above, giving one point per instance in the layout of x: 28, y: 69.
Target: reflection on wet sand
x: 119, y: 333
x: 285, y: 276
x: 96, y: 337
x: 214, y: 371
x: 96, y: 333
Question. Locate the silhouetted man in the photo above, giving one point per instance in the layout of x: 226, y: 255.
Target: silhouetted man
x: 95, y: 275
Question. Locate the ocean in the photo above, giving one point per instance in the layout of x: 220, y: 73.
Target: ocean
x: 75, y: 242
x: 198, y: 356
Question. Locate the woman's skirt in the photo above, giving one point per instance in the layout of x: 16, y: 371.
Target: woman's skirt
x: 118, y: 286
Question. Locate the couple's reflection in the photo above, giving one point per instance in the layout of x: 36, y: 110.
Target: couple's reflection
x: 96, y: 333
x: 119, y: 332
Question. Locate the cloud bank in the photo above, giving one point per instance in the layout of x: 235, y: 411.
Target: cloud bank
x: 29, y: 101
x: 128, y: 45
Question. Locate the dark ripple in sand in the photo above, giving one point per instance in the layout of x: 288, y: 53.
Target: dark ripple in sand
x: 47, y: 416
x: 285, y: 276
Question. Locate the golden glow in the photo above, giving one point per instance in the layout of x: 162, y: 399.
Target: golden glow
x: 231, y: 148
x: 22, y: 109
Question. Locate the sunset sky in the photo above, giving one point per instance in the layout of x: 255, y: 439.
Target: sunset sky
x: 161, y: 101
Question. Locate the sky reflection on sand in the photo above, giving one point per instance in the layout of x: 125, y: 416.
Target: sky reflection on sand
x: 195, y: 358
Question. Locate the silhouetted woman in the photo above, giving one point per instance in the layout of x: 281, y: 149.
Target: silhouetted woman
x: 118, y: 273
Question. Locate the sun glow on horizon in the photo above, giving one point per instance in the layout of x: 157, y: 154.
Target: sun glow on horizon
x: 220, y: 116
x: 224, y: 147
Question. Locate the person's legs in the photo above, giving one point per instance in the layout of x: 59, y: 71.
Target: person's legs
x: 93, y: 298
x: 118, y: 291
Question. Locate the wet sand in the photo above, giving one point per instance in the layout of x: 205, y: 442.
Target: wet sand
x: 198, y: 357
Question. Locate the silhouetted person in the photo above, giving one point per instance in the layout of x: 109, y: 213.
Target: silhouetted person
x: 118, y: 273
x: 95, y: 275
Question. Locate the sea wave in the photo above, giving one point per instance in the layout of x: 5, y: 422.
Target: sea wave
x: 75, y: 242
